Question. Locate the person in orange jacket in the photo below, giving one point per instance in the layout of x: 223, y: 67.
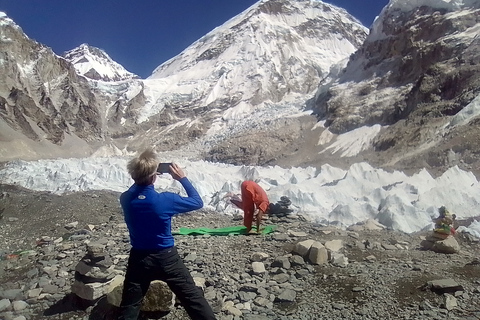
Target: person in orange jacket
x: 254, y: 204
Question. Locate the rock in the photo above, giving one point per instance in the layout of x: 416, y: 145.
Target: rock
x: 34, y: 293
x: 444, y: 286
x: 258, y: 256
x: 19, y: 305
x: 369, y: 224
x: 260, y: 301
x: 281, y: 262
x: 95, y: 250
x: 426, y: 244
x: 297, y: 261
x: 11, y: 294
x: 449, y: 245
x: 159, y: 297
x: 387, y: 246
x: 318, y: 253
x: 302, y: 247
x: 297, y: 234
x: 334, y: 245
x: 234, y: 311
x: 200, y: 282
x: 338, y: 259
x: 281, y: 278
x: 5, y: 304
x: 258, y: 268
x: 287, y: 295
x: 280, y: 237
x: 190, y: 257
x: 89, y: 291
x: 450, y: 302
x: 338, y: 306
x: 71, y: 225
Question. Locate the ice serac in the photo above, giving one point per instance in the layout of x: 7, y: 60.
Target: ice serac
x: 417, y: 68
x: 96, y: 64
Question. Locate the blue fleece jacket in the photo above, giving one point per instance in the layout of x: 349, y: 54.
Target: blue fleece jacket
x: 148, y: 213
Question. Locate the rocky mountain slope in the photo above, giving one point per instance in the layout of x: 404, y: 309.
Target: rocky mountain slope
x: 46, y: 108
x: 416, y: 71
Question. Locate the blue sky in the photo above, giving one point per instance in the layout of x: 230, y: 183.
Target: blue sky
x: 141, y: 34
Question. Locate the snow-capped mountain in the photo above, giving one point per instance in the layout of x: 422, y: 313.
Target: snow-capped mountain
x: 275, y: 51
x: 254, y: 70
x: 244, y: 93
x: 96, y: 64
x: 272, y: 51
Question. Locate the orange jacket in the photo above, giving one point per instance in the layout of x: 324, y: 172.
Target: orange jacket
x: 253, y: 196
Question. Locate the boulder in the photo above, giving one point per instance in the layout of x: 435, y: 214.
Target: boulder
x: 302, y: 247
x: 318, y: 253
x: 449, y: 245
x: 159, y: 297
x: 442, y: 286
x: 334, y: 245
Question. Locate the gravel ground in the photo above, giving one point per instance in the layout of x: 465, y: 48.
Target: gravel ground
x: 388, y: 286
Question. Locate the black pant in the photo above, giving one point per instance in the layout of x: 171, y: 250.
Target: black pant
x: 165, y: 265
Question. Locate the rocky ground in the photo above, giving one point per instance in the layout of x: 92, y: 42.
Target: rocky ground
x: 43, y: 236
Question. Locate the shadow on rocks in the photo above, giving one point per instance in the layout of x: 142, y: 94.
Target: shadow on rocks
x: 97, y: 310
x: 102, y: 310
x: 71, y: 302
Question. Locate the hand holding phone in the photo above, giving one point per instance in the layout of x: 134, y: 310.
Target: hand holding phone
x: 164, y: 167
x: 177, y: 172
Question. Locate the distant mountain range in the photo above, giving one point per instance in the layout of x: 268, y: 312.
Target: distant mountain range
x: 285, y: 82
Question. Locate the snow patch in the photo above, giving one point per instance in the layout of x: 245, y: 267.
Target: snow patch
x: 351, y: 143
x: 471, y: 111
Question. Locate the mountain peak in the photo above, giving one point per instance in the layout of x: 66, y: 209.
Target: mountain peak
x: 96, y: 64
x: 274, y: 50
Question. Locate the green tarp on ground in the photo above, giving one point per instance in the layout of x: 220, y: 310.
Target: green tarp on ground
x: 222, y: 231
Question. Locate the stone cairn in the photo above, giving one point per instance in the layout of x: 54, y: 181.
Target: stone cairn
x: 442, y: 240
x: 96, y: 276
x: 94, y: 273
x: 281, y: 208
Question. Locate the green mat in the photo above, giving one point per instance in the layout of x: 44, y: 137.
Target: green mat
x: 222, y: 231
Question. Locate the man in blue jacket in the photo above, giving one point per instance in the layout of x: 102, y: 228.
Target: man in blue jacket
x: 153, y: 256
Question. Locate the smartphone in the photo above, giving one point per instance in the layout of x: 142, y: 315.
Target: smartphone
x: 164, y: 167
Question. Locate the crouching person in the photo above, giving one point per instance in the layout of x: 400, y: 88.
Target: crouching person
x: 153, y: 256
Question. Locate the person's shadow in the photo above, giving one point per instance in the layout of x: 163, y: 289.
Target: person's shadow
x: 100, y: 308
